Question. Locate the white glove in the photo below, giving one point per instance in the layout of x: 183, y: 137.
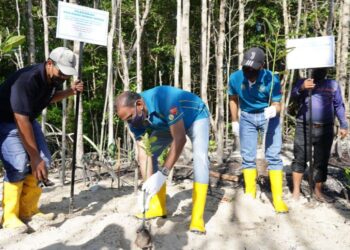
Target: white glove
x: 270, y: 112
x: 235, y: 128
x: 143, y: 204
x: 154, y: 183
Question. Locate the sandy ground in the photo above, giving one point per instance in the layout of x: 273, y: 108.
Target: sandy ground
x: 103, y: 219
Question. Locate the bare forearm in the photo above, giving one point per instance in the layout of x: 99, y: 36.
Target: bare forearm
x: 234, y: 108
x: 60, y: 95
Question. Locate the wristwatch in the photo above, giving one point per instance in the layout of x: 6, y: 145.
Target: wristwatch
x: 165, y: 171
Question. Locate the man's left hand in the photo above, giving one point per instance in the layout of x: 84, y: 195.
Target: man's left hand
x: 153, y: 184
x: 270, y: 112
x: 343, y: 132
x: 77, y: 86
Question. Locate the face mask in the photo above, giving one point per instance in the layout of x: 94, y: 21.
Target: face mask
x: 250, y: 73
x: 138, y: 121
x: 57, y: 81
x: 319, y: 74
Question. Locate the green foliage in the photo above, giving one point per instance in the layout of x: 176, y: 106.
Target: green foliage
x: 112, y: 150
x: 54, y: 115
x: 264, y: 30
x: 147, y: 144
x: 163, y: 156
x: 212, y: 146
x: 10, y: 43
x: 347, y: 176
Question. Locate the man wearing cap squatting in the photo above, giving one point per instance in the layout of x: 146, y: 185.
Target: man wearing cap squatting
x: 24, y: 151
x: 171, y: 114
x: 250, y: 89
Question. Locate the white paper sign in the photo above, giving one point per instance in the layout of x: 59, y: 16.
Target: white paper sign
x: 316, y: 52
x: 79, y: 23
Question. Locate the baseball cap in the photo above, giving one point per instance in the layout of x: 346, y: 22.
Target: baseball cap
x: 254, y: 57
x: 65, y: 60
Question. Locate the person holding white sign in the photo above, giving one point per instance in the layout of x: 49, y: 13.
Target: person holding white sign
x: 257, y: 92
x: 24, y: 151
x: 327, y: 103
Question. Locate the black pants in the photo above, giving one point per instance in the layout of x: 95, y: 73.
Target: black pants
x: 322, y: 139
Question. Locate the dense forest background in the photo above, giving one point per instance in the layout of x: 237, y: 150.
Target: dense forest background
x: 193, y: 45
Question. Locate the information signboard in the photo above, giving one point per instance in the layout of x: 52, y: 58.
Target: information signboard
x: 316, y: 52
x: 80, y: 23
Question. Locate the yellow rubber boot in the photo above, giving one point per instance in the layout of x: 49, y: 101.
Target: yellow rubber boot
x: 249, y: 175
x: 11, y: 203
x: 199, y: 197
x: 30, y: 199
x: 276, y: 178
x: 157, y: 205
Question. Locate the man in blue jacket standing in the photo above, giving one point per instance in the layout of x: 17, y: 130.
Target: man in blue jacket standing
x: 257, y: 92
x: 170, y: 114
x: 327, y: 103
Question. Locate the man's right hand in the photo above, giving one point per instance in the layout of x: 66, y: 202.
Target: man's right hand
x: 343, y: 132
x: 235, y: 128
x: 39, y: 168
x: 308, y: 84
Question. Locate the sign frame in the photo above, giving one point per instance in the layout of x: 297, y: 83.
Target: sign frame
x: 80, y: 23
x: 314, y: 52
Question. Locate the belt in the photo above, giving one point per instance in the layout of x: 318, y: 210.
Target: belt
x: 318, y: 125
x: 255, y: 112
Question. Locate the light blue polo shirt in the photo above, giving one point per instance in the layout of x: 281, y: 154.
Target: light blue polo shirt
x: 255, y: 98
x: 167, y: 105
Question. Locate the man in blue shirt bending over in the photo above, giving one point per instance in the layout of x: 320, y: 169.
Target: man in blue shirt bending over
x: 170, y: 114
x: 258, y: 93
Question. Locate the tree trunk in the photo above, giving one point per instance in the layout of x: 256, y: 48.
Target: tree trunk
x: 230, y: 37
x: 96, y: 4
x: 64, y: 133
x: 31, y: 37
x: 156, y: 59
x: 291, y: 78
x: 18, y: 53
x: 142, y: 24
x: 220, y: 84
x: 46, y: 49
x: 344, y: 53
x: 178, y: 43
x: 138, y: 49
x: 110, y: 82
x: 339, y: 40
x: 185, y: 50
x: 329, y: 28
x: 204, y: 44
x: 124, y: 75
x: 64, y: 112
x: 284, y: 81
x: 80, y: 143
x: 241, y: 21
